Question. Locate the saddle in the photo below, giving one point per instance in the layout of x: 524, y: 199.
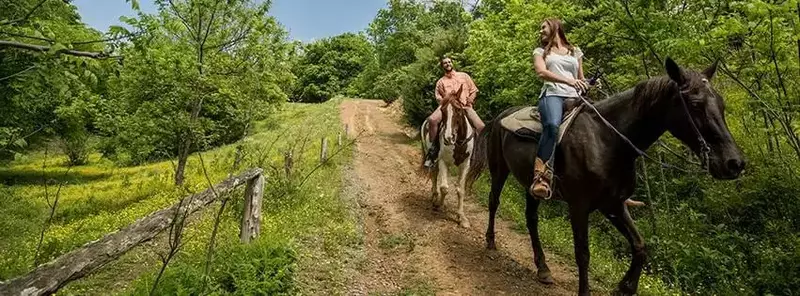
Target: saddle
x: 526, y: 123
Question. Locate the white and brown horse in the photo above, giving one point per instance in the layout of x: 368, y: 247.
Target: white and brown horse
x: 456, y: 141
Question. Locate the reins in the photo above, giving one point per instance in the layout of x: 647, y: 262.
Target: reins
x: 705, y: 150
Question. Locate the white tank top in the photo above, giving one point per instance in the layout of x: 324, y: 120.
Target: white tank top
x: 564, y: 65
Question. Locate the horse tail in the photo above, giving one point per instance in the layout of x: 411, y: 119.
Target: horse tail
x: 479, y: 157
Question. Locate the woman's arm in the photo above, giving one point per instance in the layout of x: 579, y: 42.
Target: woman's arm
x: 544, y: 74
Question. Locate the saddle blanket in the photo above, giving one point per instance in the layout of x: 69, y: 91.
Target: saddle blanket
x: 526, y: 122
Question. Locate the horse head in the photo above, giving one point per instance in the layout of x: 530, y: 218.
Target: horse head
x: 454, y: 119
x: 697, y: 118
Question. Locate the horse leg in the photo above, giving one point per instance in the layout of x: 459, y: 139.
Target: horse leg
x: 579, y: 218
x: 435, y: 190
x: 619, y: 216
x: 462, y: 180
x: 442, y: 184
x: 499, y: 176
x: 532, y: 220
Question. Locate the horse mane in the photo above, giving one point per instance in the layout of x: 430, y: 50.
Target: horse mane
x: 648, y: 92
x: 452, y: 100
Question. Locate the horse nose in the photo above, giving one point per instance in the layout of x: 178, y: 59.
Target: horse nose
x: 735, y: 164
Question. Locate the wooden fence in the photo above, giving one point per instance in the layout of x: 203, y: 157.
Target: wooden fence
x: 49, y: 277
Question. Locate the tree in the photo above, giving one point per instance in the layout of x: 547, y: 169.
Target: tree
x: 52, y: 72
x: 410, y: 37
x: 196, y: 77
x: 330, y: 66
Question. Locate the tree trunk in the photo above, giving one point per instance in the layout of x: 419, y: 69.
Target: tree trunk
x: 183, y: 156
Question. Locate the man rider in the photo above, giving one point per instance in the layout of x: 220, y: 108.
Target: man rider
x: 449, y: 84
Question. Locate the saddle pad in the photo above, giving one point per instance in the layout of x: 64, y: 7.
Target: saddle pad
x: 526, y: 122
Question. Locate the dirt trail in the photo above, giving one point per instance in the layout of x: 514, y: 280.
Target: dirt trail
x: 411, y: 248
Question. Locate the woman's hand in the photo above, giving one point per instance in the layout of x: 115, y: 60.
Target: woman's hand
x: 579, y: 85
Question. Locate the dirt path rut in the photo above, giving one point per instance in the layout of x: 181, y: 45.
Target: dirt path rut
x: 411, y: 249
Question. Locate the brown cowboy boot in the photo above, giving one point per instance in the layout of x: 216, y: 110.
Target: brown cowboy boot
x: 541, y: 180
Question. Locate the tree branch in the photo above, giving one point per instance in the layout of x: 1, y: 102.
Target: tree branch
x: 18, y: 73
x: 107, y: 39
x: 94, y: 55
x: 24, y: 18
x: 210, y: 23
x: 237, y: 39
x: 183, y: 19
x: 794, y: 142
x: 635, y: 32
x: 28, y: 37
x: 73, y: 43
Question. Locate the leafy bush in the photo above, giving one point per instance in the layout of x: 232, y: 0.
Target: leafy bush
x: 264, y: 267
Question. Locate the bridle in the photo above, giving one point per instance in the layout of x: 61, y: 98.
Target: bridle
x: 455, y: 103
x: 705, y: 149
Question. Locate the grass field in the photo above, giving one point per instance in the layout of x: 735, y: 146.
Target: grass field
x: 306, y: 230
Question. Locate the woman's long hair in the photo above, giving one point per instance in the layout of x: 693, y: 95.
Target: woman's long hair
x: 549, y: 41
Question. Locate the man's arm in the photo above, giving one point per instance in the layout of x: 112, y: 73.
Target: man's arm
x: 439, y: 92
x: 473, y: 89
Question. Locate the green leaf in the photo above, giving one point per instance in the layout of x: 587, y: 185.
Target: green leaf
x: 118, y: 30
x: 134, y: 4
x: 20, y: 143
x: 56, y: 48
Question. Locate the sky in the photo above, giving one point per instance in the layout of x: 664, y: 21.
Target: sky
x: 306, y: 20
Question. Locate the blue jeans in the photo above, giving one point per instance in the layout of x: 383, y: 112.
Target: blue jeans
x: 551, y: 111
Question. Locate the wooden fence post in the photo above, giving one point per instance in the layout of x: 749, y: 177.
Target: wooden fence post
x: 251, y: 218
x: 323, y: 154
x: 287, y: 164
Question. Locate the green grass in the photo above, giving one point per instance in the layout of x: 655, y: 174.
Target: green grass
x: 398, y: 241
x: 307, y: 230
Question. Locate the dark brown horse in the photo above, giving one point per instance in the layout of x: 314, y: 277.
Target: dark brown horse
x: 595, y: 166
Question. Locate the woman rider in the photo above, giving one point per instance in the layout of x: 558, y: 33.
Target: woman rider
x: 560, y: 65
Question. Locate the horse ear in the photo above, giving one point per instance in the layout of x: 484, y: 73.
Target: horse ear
x: 674, y: 71
x: 460, y: 89
x: 709, y: 72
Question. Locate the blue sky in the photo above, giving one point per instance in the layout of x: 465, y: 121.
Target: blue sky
x: 305, y: 20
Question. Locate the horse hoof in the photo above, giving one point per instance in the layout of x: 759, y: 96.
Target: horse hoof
x: 490, y: 245
x: 464, y: 224
x: 545, y: 277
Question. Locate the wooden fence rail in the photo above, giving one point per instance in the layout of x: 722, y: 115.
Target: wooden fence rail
x: 48, y: 278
